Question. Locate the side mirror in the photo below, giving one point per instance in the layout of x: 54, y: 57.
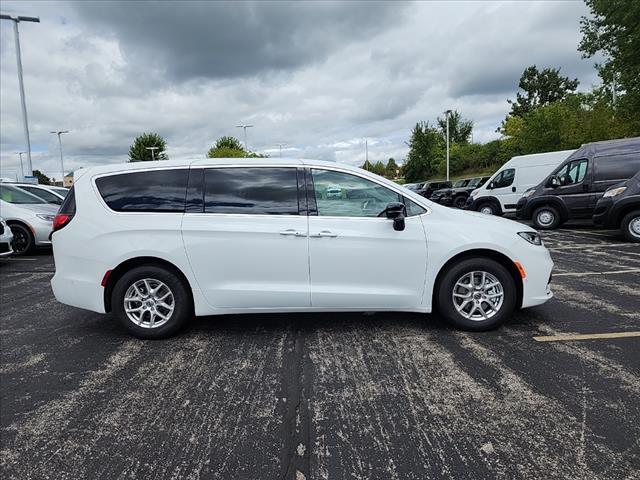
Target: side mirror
x: 396, y: 211
x: 554, y: 181
x: 491, y: 186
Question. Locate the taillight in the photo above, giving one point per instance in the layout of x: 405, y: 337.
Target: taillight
x: 61, y: 220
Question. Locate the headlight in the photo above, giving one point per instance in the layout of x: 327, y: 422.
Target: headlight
x: 531, y: 237
x: 528, y: 193
x: 48, y: 218
x: 474, y: 193
x: 614, y: 192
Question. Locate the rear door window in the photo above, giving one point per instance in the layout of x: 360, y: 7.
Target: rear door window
x: 251, y: 190
x: 148, y: 191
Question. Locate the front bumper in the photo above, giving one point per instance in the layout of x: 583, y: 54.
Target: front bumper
x: 601, y: 217
x: 536, y: 287
x: 521, y: 210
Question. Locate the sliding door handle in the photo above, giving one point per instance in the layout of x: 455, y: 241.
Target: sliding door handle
x: 324, y: 233
x: 293, y: 233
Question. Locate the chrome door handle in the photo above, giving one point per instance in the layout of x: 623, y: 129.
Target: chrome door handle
x: 293, y: 233
x: 324, y: 233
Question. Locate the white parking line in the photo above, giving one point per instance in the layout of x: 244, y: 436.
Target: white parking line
x: 582, y: 274
x: 589, y: 336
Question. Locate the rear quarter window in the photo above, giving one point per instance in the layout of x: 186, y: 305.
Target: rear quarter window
x: 616, y: 167
x: 148, y: 191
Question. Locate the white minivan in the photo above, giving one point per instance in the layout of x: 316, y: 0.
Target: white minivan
x: 158, y: 242
x: 500, y: 194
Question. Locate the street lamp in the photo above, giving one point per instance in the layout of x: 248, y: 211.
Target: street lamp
x: 16, y: 19
x: 281, y: 145
x: 60, y: 132
x: 244, y: 127
x: 447, y: 113
x: 153, y: 150
x: 21, y: 165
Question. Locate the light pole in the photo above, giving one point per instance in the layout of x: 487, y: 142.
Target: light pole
x: 244, y: 127
x: 280, y: 145
x: 366, y: 152
x: 153, y: 150
x: 447, y: 113
x: 60, y: 132
x: 15, y: 19
x: 21, y: 165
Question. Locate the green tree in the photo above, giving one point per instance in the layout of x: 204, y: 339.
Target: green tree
x: 379, y: 168
x: 42, y: 178
x: 391, y: 168
x: 367, y: 166
x: 459, y: 128
x: 138, y: 152
x: 540, y: 87
x: 613, y: 30
x: 230, y: 147
x: 426, y: 149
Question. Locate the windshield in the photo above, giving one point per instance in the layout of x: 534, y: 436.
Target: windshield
x: 460, y: 183
x: 15, y: 195
x: 474, y: 182
x: 60, y: 190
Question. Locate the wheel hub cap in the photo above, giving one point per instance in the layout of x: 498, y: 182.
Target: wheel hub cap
x: 478, y: 296
x: 545, y: 218
x: 634, y: 227
x: 149, y: 303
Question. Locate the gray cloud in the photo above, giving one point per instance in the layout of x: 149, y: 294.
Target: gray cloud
x: 188, y: 40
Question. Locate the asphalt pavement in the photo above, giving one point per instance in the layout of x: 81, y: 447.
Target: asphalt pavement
x: 330, y: 396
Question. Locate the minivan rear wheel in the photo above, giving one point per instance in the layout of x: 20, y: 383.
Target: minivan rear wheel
x: 151, y: 302
x: 546, y: 218
x: 477, y: 294
x: 630, y: 226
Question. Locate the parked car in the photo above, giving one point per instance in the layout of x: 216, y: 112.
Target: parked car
x: 53, y: 195
x: 500, y: 194
x: 159, y: 242
x: 414, y: 187
x: 619, y: 207
x: 457, y: 195
x: 6, y: 237
x: 29, y: 217
x: 572, y: 190
x: 429, y: 187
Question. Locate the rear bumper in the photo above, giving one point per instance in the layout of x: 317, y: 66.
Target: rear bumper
x: 78, y: 293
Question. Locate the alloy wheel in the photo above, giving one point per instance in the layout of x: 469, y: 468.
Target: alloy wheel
x: 21, y: 241
x: 149, y: 303
x: 478, y: 295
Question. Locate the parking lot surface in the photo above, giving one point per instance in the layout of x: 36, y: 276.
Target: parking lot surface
x: 339, y: 396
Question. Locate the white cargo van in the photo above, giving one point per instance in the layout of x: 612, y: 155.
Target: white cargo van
x: 501, y: 193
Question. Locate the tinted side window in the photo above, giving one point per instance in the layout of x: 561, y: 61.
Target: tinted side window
x: 344, y: 195
x: 43, y: 194
x: 149, y: 191
x: 617, y: 167
x: 413, y: 208
x: 504, y: 178
x: 573, y: 172
x: 69, y: 203
x: 252, y: 190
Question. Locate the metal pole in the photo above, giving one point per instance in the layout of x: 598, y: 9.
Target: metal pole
x: 25, y: 120
x: 61, y: 161
x: 366, y: 152
x: 21, y: 166
x: 447, y: 113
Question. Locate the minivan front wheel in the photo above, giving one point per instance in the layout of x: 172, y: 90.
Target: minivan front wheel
x: 546, y: 218
x: 630, y: 226
x: 151, y: 302
x: 477, y: 294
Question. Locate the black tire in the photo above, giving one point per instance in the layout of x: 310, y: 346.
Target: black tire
x: 23, y: 242
x: 182, y: 306
x: 629, y: 226
x: 488, y: 208
x: 546, y: 218
x: 460, y: 201
x: 446, y: 286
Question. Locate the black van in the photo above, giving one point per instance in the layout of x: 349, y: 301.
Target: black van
x: 574, y: 187
x: 619, y: 207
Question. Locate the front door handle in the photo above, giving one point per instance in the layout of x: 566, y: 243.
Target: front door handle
x: 293, y: 233
x: 324, y: 233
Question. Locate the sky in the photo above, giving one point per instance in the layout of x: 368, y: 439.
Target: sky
x: 319, y: 77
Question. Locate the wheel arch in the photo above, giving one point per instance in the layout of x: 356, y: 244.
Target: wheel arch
x: 489, y: 199
x: 624, y: 209
x: 499, y: 257
x: 134, y: 262
x: 551, y: 202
